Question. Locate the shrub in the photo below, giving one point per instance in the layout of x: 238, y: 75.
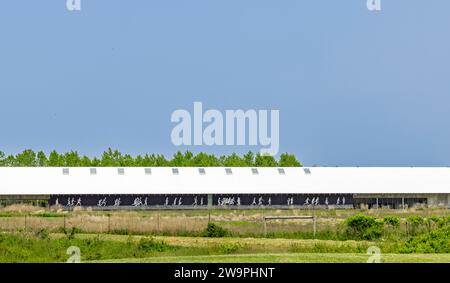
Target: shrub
x: 393, y: 221
x: 363, y: 227
x: 435, y: 241
x: 439, y: 221
x: 214, y: 231
x: 414, y: 221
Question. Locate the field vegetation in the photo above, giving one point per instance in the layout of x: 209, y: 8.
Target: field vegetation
x: 31, y: 234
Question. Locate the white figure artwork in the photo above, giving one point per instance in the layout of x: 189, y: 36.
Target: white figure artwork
x: 101, y: 202
x: 290, y: 201
x: 137, y: 201
x: 117, y: 202
x: 315, y: 201
x: 306, y: 201
x: 269, y: 201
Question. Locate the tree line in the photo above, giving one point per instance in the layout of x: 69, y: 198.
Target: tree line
x: 114, y: 158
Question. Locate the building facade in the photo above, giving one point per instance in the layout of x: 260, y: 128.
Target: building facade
x: 220, y: 187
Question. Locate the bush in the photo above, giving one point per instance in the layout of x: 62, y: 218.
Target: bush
x: 393, y: 221
x: 435, y: 241
x: 214, y: 231
x: 414, y: 222
x: 363, y: 227
x: 439, y: 221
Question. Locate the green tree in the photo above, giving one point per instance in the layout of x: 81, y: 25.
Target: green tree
x: 10, y: 161
x: 127, y: 161
x: 234, y: 160
x: 265, y: 161
x: 42, y: 159
x: 27, y: 158
x: 160, y: 160
x: 249, y: 159
x: 177, y: 159
x: 71, y: 159
x: 205, y: 160
x: 95, y: 162
x: 54, y: 159
x: 138, y: 161
x: 111, y: 158
x: 85, y: 161
x: 2, y: 158
x: 288, y: 160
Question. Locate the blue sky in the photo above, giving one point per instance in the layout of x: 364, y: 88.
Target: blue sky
x: 353, y: 87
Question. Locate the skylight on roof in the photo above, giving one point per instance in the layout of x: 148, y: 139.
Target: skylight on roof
x: 93, y: 171
x: 65, y: 171
x: 121, y: 171
x: 201, y: 171
x: 255, y: 171
x: 228, y: 171
x: 307, y: 171
x: 148, y: 171
x: 281, y: 171
x: 175, y: 171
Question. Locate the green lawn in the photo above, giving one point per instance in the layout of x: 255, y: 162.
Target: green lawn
x: 293, y: 258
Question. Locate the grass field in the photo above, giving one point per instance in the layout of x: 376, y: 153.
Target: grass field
x: 292, y: 258
x: 29, y: 234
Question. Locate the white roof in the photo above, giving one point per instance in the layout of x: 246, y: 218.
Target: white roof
x: 162, y: 180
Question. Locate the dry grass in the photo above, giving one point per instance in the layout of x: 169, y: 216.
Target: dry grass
x: 21, y: 208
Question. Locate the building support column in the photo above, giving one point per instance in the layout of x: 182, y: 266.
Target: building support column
x: 210, y: 200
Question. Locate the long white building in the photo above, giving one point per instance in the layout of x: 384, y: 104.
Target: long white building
x: 184, y: 187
